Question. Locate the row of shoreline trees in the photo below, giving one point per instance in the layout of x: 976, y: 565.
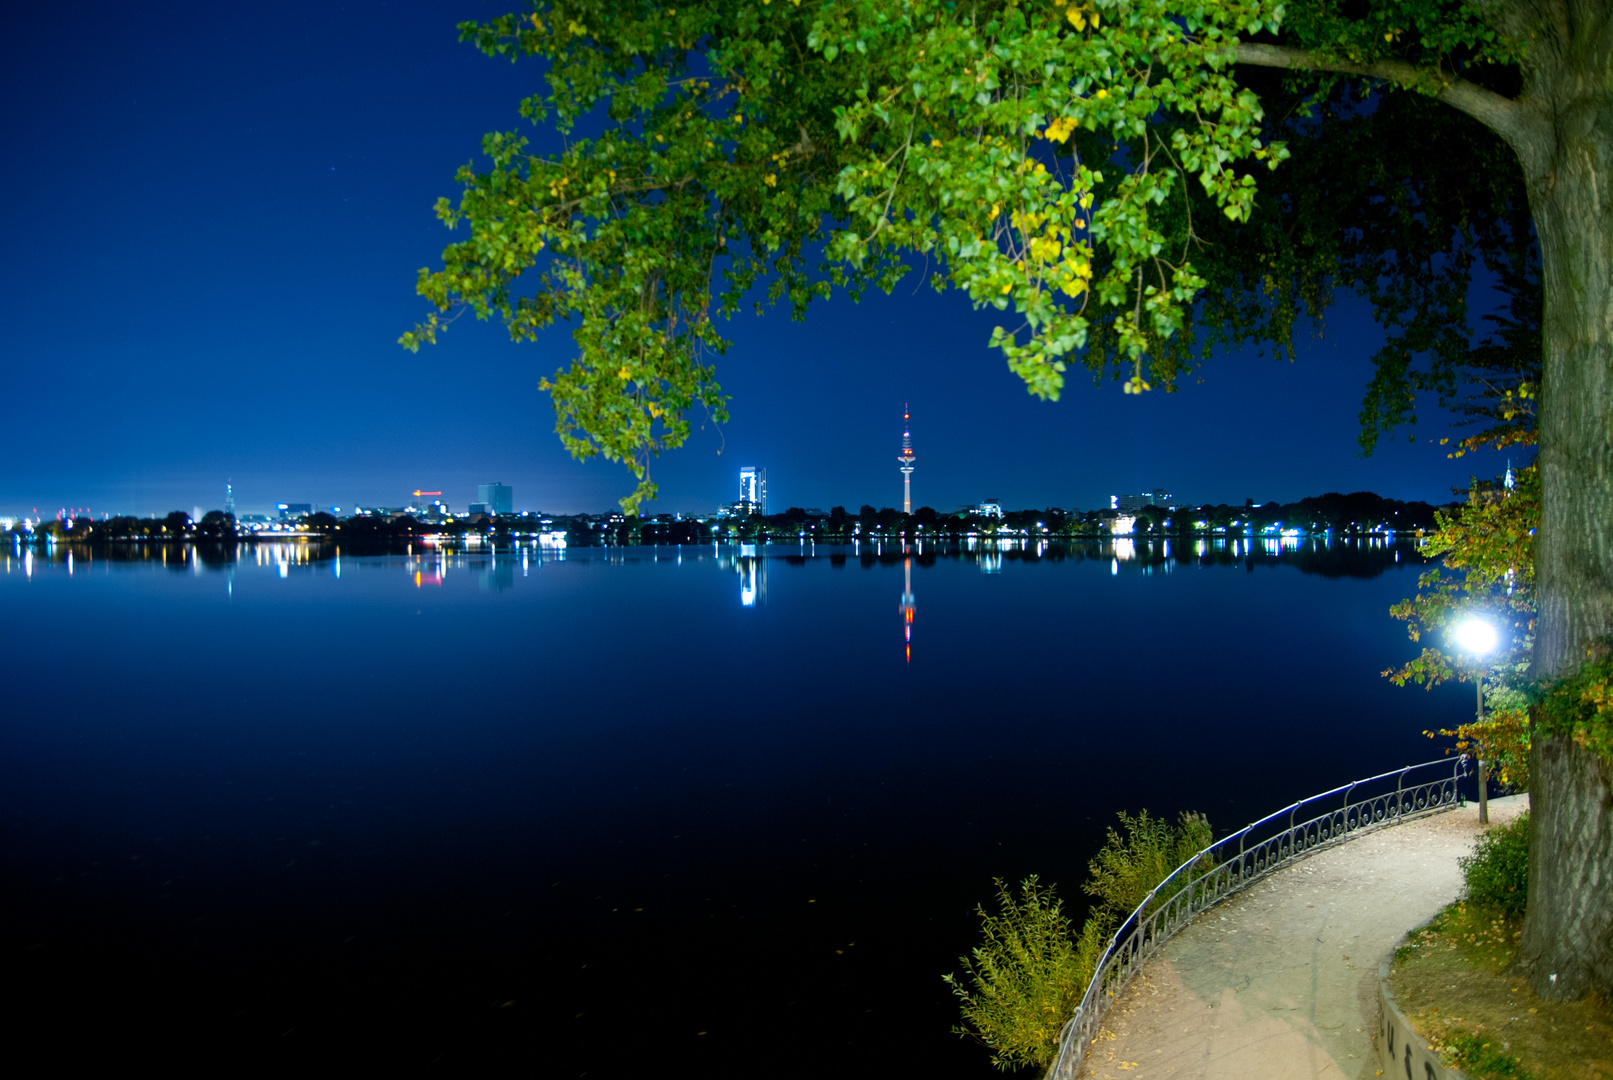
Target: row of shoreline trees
x: 1361, y: 513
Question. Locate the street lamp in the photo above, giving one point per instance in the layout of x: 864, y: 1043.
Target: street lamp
x: 1478, y: 637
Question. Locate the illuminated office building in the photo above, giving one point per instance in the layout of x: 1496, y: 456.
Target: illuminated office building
x: 753, y: 490
x: 499, y: 498
x: 1131, y: 503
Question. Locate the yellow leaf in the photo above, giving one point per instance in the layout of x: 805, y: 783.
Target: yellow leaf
x: 624, y: 374
x: 771, y: 180
x: 1077, y: 20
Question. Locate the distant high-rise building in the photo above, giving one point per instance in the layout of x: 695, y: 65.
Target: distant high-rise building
x: 292, y: 511
x: 229, y: 499
x: 753, y: 488
x: 500, y: 498
x: 1130, y: 503
x: 906, y: 458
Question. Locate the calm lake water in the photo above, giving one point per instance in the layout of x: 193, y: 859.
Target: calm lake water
x: 629, y: 810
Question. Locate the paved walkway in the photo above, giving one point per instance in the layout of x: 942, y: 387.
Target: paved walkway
x: 1281, y: 982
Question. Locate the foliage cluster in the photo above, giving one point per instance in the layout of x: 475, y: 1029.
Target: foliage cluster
x: 1130, y: 866
x: 1489, y: 545
x: 1580, y: 704
x: 1497, y: 873
x: 1028, y: 976
x: 1089, y: 165
x: 1487, y: 570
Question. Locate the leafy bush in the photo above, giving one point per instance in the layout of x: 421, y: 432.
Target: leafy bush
x: 1028, y: 976
x: 1129, y: 867
x: 1497, y: 872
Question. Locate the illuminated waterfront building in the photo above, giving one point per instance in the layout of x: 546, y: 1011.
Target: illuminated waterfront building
x: 499, y: 498
x: 752, y: 490
x: 1132, y: 503
x: 906, y: 458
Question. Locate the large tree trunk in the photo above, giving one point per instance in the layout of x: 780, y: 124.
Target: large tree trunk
x: 1561, y: 127
x: 1567, y: 156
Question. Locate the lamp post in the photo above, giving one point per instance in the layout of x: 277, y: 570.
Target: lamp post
x: 1478, y: 637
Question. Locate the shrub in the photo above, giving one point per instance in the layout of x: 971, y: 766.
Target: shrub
x: 1497, y: 872
x: 1128, y: 867
x: 1028, y: 976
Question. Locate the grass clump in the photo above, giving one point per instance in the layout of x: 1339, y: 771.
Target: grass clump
x: 1027, y: 977
x: 1474, y: 1056
x: 1456, y: 983
x: 1497, y: 872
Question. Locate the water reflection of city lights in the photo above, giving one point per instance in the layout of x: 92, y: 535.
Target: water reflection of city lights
x: 908, y: 607
x: 1125, y: 550
x: 747, y: 580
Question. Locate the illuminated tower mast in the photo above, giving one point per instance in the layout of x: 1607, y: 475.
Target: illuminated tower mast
x: 906, y: 458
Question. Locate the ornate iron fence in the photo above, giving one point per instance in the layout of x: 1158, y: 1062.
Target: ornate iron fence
x: 1237, y: 861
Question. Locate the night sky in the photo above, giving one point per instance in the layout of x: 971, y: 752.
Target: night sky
x: 214, y: 215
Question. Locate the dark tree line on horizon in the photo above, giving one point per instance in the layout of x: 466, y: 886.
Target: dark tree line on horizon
x: 1354, y: 514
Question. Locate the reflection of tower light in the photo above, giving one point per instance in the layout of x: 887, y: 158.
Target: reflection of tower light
x: 908, y: 606
x: 906, y: 458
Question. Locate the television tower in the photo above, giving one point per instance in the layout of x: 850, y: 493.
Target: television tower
x: 906, y: 458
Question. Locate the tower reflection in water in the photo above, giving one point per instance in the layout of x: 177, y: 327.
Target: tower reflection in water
x: 908, y: 606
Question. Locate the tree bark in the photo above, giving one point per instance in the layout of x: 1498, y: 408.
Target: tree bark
x: 1567, y: 946
x: 1561, y: 127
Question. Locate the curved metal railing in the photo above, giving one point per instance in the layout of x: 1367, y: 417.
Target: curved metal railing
x: 1235, y: 862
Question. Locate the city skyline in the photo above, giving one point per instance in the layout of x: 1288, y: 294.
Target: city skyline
x: 281, y: 372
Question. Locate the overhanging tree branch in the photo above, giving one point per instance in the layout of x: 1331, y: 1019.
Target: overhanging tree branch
x: 1516, y: 123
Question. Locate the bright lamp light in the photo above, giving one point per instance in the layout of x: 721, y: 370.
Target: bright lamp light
x: 1476, y: 636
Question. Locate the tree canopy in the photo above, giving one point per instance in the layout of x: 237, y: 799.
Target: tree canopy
x: 1055, y: 160
x: 1131, y: 182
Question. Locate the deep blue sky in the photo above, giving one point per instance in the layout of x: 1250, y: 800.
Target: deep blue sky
x: 214, y: 217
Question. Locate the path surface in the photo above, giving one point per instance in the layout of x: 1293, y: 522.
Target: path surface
x: 1281, y: 982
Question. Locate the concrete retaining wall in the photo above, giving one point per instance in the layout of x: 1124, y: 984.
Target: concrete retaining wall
x: 1401, y: 1051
